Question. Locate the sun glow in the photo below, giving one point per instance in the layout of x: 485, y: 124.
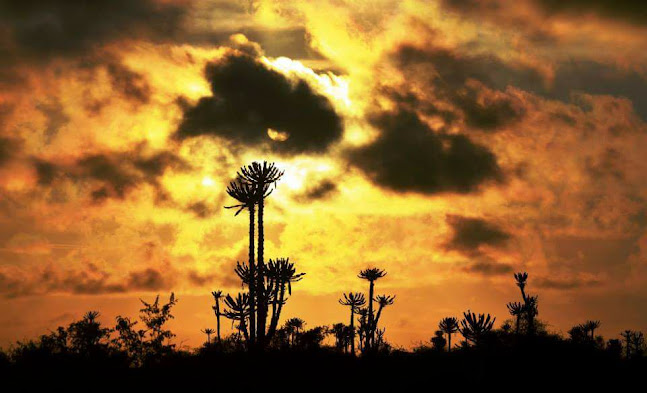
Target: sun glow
x: 208, y: 182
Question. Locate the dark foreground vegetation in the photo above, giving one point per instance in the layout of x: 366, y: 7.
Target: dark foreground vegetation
x: 520, y: 352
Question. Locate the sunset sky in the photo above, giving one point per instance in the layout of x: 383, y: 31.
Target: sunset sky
x: 449, y: 142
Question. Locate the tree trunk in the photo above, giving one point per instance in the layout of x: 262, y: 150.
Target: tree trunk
x: 243, y: 327
x: 449, y: 342
x: 370, y: 333
x: 252, y: 284
x: 627, y: 346
x: 377, y: 318
x: 518, y: 324
x: 260, y: 287
x: 275, y: 318
x: 352, y: 331
x: 218, y: 319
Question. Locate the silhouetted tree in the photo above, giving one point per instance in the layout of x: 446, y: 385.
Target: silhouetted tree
x: 130, y: 340
x: 473, y: 328
x: 208, y: 332
x: 354, y: 301
x: 293, y: 326
x: 362, y: 328
x: 614, y: 347
x: 438, y: 341
x: 280, y: 274
x: 87, y: 336
x: 382, y: 301
x: 245, y: 193
x: 217, y: 295
x: 578, y: 334
x: 238, y: 311
x: 371, y: 275
x: 380, y: 342
x: 590, y: 326
x: 530, y: 303
x: 341, y: 334
x: 516, y: 309
x: 311, y: 339
x: 449, y: 325
x: 155, y: 316
x: 260, y: 177
x: 634, y: 343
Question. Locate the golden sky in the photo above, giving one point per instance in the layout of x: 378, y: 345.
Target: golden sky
x: 448, y: 142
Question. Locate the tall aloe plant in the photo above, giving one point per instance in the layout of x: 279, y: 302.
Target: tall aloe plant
x: 354, y: 301
x: 449, y: 326
x: 245, y: 193
x: 261, y: 177
x: 474, y: 327
x: 217, y: 295
x: 371, y: 275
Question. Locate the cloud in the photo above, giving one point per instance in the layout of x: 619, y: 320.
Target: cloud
x: 131, y: 84
x: 566, y: 284
x: 201, y: 209
x: 44, y: 29
x: 596, y: 78
x: 148, y: 280
x: 56, y: 117
x: 249, y: 98
x: 113, y: 174
x: 7, y: 150
x: 293, y: 42
x: 409, y: 157
x: 471, y: 233
x: 320, y: 190
x: 467, y: 86
x: 201, y: 280
x: 489, y: 268
x: 92, y: 280
x: 627, y: 10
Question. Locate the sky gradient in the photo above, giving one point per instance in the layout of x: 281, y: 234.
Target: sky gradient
x: 448, y: 142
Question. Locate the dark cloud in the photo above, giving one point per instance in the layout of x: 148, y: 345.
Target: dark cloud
x: 609, y: 164
x: 46, y: 28
x: 248, y: 98
x: 56, y: 117
x: 629, y: 10
x: 595, y: 78
x: 449, y: 77
x: 91, y: 281
x: 33, y: 32
x: 464, y: 82
x: 566, y: 284
x: 148, y: 280
x: 486, y: 112
x: 132, y: 85
x: 489, y: 268
x: 7, y: 149
x: 201, y: 280
x: 319, y: 190
x: 410, y: 157
x: 88, y: 282
x: 471, y: 233
x: 114, y: 174
x: 201, y: 209
x: 594, y: 255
